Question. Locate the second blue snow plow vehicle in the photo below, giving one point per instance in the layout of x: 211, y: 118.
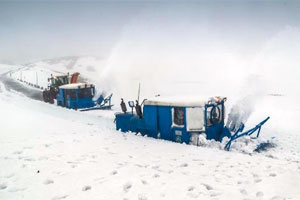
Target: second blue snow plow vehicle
x: 182, y: 120
x: 81, y: 96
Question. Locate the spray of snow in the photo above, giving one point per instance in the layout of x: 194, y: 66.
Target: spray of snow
x: 251, y: 93
x: 185, y: 63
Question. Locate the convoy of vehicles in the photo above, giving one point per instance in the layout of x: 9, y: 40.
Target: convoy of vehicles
x: 177, y: 119
x: 69, y: 93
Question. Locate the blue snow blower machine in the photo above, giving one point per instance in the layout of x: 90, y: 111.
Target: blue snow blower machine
x: 182, y: 120
x: 80, y: 96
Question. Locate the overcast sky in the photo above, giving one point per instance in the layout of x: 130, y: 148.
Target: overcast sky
x: 41, y: 29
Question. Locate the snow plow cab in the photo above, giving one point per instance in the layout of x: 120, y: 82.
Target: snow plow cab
x: 76, y: 95
x: 178, y: 120
x: 50, y: 93
x: 80, y: 96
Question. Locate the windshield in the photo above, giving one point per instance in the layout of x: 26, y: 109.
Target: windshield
x: 60, y: 80
x: 86, y: 92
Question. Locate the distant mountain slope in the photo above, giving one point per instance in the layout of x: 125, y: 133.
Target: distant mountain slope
x: 89, y: 67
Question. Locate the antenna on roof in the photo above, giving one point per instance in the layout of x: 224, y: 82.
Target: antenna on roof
x: 138, y: 100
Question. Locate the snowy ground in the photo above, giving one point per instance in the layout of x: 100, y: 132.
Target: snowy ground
x: 48, y: 152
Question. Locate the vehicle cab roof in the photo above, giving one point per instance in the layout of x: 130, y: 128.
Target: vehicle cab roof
x: 76, y: 86
x: 183, y: 101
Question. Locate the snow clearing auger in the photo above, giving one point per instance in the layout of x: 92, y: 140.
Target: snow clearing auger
x: 50, y: 93
x: 183, y: 120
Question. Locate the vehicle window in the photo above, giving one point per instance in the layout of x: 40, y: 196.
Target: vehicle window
x: 73, y: 94
x: 58, y: 82
x: 80, y: 93
x: 195, y: 119
x: 221, y: 113
x: 214, y: 115
x: 85, y: 93
x: 178, y: 116
x: 52, y: 81
x: 65, y: 80
x: 92, y: 91
x: 208, y: 112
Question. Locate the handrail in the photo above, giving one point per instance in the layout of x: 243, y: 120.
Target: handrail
x: 236, y: 135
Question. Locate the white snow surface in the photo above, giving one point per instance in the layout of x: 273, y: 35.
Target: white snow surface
x: 49, y: 152
x: 75, y: 85
x: 37, y: 73
x: 88, y: 66
x: 33, y: 75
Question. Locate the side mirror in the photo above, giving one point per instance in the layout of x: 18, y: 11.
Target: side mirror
x: 123, y: 105
x: 131, y: 104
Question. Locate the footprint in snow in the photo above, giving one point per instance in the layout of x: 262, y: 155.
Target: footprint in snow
x: 258, y: 180
x: 156, y: 175
x: 214, y: 194
x: 272, y: 174
x: 156, y: 167
x: 208, y: 187
x: 127, y: 186
x: 86, y: 188
x: 277, y: 198
x: 59, y: 197
x: 73, y: 166
x: 114, y: 172
x: 106, y: 148
x: 18, y: 152
x: 144, y: 182
x: 47, y: 145
x: 184, y: 165
x: 243, y: 191
x: 259, y: 194
x: 29, y: 159
x: 48, y: 181
x: 3, y: 186
x: 191, y: 188
x: 138, y: 165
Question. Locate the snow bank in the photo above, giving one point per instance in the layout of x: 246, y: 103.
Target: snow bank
x: 56, y: 153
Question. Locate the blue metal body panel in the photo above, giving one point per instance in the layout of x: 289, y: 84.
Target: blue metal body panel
x: 137, y: 125
x: 70, y: 98
x: 123, y: 121
x: 157, y: 122
x: 214, y: 131
x: 158, y: 119
x: 150, y: 117
x: 180, y: 135
x: 164, y: 118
